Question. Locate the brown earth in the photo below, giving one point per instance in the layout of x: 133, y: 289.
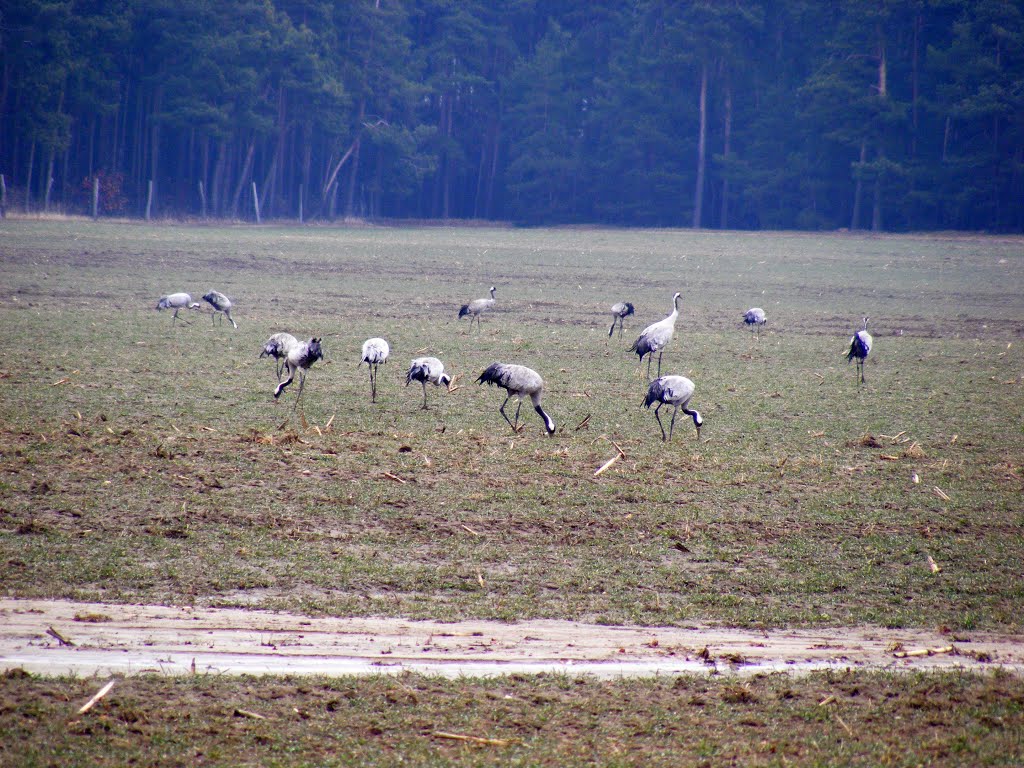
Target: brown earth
x: 64, y: 637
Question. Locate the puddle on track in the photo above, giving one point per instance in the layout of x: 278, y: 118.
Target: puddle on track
x: 130, y: 639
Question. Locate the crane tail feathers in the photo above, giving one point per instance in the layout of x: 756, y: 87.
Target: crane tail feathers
x: 491, y: 375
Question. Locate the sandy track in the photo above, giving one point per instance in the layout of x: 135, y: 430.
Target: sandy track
x: 128, y: 639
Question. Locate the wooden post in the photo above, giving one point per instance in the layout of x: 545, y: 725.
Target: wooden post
x: 3, y: 197
x: 256, y: 202
x: 149, y: 199
x: 300, y: 203
x: 95, y: 197
x: 202, y: 198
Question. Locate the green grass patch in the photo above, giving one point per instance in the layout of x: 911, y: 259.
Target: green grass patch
x: 143, y: 461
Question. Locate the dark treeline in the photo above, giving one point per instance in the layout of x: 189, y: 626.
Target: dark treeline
x: 802, y: 114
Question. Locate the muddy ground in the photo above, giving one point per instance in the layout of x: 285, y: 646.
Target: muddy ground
x: 64, y: 637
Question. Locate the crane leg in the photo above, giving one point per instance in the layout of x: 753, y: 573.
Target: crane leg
x: 502, y: 409
x: 649, y: 354
x: 424, y: 396
x: 373, y: 382
x: 656, y: 416
x: 672, y: 426
x: 302, y: 384
x: 518, y: 406
x: 660, y: 353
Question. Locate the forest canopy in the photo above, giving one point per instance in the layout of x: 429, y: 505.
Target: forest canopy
x: 795, y: 114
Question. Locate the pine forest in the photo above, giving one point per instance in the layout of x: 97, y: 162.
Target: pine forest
x: 720, y: 114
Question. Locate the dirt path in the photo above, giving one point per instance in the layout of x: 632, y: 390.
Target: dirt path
x: 128, y: 639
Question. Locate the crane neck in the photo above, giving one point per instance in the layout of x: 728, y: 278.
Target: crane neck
x: 675, y: 310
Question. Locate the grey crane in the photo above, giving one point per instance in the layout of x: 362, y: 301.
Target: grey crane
x: 860, y: 348
x: 620, y: 312
x: 428, y: 369
x: 655, y: 337
x: 277, y: 347
x: 755, y: 318
x: 300, y: 357
x: 675, y: 391
x: 220, y: 303
x: 177, y: 302
x: 476, y: 308
x: 518, y: 381
x: 375, y: 354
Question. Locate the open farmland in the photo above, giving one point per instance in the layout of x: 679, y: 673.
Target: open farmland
x: 145, y: 462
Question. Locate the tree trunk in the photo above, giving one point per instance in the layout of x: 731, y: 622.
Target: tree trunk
x: 915, y: 89
x: 496, y: 144
x: 447, y: 190
x: 246, y: 168
x: 698, y: 196
x: 217, y: 185
x: 307, y: 164
x: 727, y: 129
x: 858, y: 187
x: 353, y: 171
x: 876, y: 206
x: 92, y: 147
x: 154, y: 168
x: 28, y: 178
x: 49, y: 181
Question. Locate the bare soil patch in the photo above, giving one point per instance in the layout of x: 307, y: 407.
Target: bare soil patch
x: 58, y: 637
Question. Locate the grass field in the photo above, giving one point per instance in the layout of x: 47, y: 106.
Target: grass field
x: 142, y: 461
x: 866, y: 720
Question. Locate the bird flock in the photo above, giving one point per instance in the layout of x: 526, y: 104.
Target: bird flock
x: 292, y: 356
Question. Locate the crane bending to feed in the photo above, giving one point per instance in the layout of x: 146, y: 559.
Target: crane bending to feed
x: 428, y: 369
x: 299, y: 358
x: 177, y: 302
x: 375, y: 354
x: 755, y: 317
x: 518, y: 381
x: 277, y: 347
x: 655, y: 337
x: 675, y: 391
x: 220, y: 303
x: 620, y: 312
